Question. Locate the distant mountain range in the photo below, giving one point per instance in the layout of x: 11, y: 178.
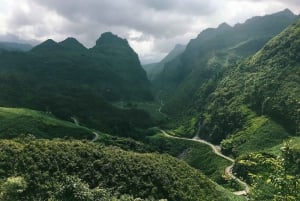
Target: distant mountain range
x: 215, y: 49
x: 213, y: 85
x: 10, y: 46
x: 154, y: 69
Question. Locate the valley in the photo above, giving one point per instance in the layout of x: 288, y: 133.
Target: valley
x: 217, y: 119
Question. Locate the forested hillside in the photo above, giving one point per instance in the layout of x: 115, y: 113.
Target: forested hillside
x: 252, y: 109
x: 73, y: 170
x: 207, y: 56
x: 68, y: 80
x: 219, y: 121
x: 257, y: 102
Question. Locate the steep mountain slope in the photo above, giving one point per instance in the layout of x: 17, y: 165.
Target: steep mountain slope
x: 206, y: 57
x: 257, y: 103
x: 154, y: 69
x: 69, y: 80
x: 64, y: 170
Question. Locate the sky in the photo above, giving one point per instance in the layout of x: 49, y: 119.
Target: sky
x: 152, y: 27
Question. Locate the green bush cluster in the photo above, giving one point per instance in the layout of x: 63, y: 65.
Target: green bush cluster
x: 60, y: 170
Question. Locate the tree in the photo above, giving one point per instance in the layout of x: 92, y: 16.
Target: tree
x: 12, y: 188
x: 283, y: 183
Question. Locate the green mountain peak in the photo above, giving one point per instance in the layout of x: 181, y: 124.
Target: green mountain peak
x: 224, y: 26
x: 72, y: 43
x: 108, y: 38
x: 49, y: 44
x: 287, y: 12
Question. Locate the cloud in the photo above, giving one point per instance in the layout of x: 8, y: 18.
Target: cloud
x: 152, y: 27
x: 9, y: 37
x: 158, y: 18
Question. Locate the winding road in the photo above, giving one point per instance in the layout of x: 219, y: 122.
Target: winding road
x: 217, y: 151
x: 95, y: 133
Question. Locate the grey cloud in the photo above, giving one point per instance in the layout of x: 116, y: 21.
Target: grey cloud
x: 189, y: 7
x: 9, y: 37
x: 166, y: 19
x: 288, y: 3
x: 166, y: 22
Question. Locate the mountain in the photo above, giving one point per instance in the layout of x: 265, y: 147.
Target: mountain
x: 154, y: 69
x: 72, y: 44
x: 215, y: 49
x: 67, y: 45
x: 47, y: 46
x: 254, y: 104
x: 257, y: 104
x: 68, y: 80
x: 10, y: 46
x: 124, y: 62
x: 262, y: 108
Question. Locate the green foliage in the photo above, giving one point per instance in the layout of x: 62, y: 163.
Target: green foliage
x: 272, y: 178
x: 15, y: 122
x: 152, y: 108
x: 208, y: 55
x: 197, y: 155
x: 72, y: 169
x: 12, y: 187
x: 255, y: 104
x: 252, y: 103
x: 187, y: 128
x: 26, y: 124
x: 68, y: 80
x: 258, y: 134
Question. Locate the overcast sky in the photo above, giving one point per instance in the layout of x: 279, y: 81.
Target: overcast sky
x: 152, y: 27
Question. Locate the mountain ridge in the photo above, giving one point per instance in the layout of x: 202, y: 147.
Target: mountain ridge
x: 213, y: 50
x: 67, y: 79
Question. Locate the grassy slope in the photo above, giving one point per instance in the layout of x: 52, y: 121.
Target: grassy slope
x: 259, y: 133
x: 197, y: 155
x: 17, y: 121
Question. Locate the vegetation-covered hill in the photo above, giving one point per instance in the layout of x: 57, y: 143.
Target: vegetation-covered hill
x: 238, y: 86
x: 206, y: 57
x: 273, y: 177
x: 15, y: 121
x: 197, y: 155
x: 67, y: 80
x: 72, y: 170
x: 257, y: 103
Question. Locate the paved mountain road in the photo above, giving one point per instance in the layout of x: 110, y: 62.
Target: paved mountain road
x: 217, y: 151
